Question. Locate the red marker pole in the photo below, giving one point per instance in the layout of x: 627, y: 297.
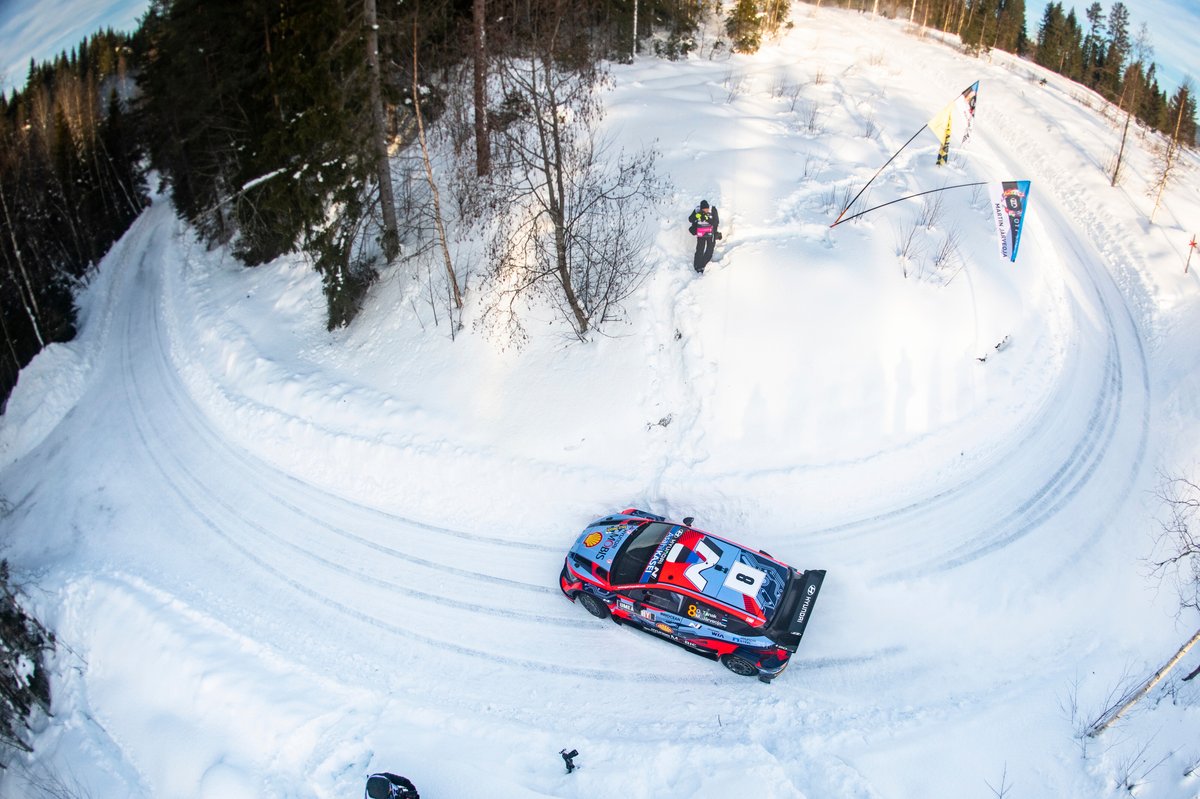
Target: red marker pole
x: 1191, y: 249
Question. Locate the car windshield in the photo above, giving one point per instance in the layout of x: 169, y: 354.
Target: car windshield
x: 631, y: 561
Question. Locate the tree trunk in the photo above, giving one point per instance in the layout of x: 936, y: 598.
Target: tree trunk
x: 1110, y: 716
x: 1125, y: 131
x: 635, y: 36
x: 383, y: 170
x: 1168, y: 161
x: 555, y: 170
x: 1121, y: 150
x: 29, y: 302
x: 483, y: 150
x: 437, y: 204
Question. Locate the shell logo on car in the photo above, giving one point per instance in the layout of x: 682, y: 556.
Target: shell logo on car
x: 592, y: 540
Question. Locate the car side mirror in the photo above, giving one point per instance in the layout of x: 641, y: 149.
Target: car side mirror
x: 687, y: 520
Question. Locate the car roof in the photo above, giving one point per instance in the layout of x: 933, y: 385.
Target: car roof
x: 692, y: 561
x: 718, y: 569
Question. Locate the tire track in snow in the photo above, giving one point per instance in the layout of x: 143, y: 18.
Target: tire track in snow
x: 217, y: 443
x: 1089, y: 453
x: 198, y: 496
x: 1091, y: 450
x: 173, y: 468
x: 141, y: 411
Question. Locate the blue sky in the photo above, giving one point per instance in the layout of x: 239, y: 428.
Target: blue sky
x: 1174, y: 32
x: 41, y: 29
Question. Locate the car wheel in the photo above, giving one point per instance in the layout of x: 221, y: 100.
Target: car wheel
x: 594, y: 606
x: 739, y: 665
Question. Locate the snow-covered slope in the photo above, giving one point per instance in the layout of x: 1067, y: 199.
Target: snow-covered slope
x: 280, y: 558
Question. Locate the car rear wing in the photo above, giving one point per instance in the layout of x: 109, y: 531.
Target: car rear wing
x: 808, y: 597
x: 797, y: 609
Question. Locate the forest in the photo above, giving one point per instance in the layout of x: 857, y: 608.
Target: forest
x: 313, y: 126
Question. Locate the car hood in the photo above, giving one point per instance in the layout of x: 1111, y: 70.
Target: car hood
x: 601, y: 541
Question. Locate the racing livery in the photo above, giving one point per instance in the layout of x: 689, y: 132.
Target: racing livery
x: 695, y: 589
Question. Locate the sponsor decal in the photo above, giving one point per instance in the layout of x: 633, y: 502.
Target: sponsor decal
x: 1014, y: 201
x: 1001, y: 231
x: 650, y: 575
x: 1010, y: 202
x: 808, y: 598
x: 664, y: 628
x: 602, y: 552
x: 592, y: 540
x: 707, y: 615
x: 709, y: 555
x: 744, y: 578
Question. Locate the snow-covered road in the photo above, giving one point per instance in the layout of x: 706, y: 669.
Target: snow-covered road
x: 282, y: 558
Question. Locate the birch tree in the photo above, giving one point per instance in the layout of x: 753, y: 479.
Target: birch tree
x: 1176, y: 557
x: 1167, y: 165
x: 568, y: 225
x: 483, y: 160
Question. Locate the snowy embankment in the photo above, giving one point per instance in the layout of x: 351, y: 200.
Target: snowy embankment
x: 281, y: 558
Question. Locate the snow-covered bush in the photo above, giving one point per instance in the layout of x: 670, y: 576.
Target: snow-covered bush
x: 24, y: 685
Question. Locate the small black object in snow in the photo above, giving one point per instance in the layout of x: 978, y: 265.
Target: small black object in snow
x: 569, y: 758
x: 386, y: 785
x: 1001, y: 344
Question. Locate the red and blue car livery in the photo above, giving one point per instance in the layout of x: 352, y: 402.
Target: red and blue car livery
x: 705, y: 593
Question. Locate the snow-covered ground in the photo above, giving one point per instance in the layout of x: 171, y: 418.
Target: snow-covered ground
x: 278, y: 558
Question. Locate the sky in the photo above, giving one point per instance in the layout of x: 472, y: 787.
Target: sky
x: 1174, y: 27
x: 41, y: 30
x: 278, y: 558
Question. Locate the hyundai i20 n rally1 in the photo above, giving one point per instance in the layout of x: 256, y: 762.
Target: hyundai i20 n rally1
x: 698, y: 590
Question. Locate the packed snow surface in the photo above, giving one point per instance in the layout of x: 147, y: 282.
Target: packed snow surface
x: 278, y: 559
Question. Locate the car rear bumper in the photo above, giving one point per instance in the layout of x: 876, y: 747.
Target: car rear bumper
x: 771, y: 667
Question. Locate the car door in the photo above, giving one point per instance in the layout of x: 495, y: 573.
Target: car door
x: 656, y: 609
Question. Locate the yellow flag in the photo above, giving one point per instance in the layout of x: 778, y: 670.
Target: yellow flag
x: 954, y: 121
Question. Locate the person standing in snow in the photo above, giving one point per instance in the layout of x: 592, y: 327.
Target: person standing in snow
x: 704, y: 222
x: 385, y: 785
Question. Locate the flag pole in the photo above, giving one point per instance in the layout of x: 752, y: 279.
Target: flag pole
x: 869, y: 182
x: 909, y: 197
x: 1191, y: 249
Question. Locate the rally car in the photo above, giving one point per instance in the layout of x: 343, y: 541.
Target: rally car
x: 700, y: 591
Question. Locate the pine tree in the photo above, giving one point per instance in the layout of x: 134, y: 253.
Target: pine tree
x: 1051, y: 37
x: 1183, y: 109
x: 262, y: 122
x: 1118, y: 49
x: 744, y: 27
x: 1153, y: 105
x: 1010, y: 27
x: 1093, y: 45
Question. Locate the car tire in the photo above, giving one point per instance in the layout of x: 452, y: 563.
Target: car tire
x: 739, y: 665
x: 594, y: 606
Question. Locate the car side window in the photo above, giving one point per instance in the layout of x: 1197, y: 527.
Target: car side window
x: 663, y: 600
